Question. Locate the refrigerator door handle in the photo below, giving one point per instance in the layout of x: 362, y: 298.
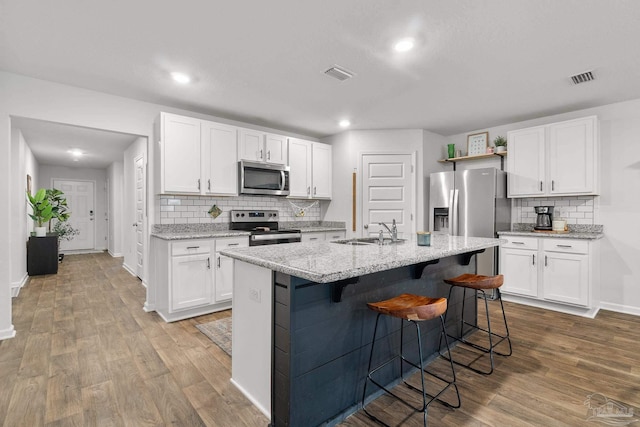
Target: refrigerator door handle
x: 450, y: 216
x: 454, y: 219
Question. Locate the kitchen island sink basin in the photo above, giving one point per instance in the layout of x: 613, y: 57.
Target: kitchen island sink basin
x: 362, y: 241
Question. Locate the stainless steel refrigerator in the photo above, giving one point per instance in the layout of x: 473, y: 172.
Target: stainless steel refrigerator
x: 471, y: 203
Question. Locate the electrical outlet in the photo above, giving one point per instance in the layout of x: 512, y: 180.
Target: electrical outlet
x: 254, y: 294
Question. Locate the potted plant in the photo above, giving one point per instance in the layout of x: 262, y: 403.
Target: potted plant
x: 59, y: 209
x: 65, y: 231
x: 501, y: 144
x: 42, y: 211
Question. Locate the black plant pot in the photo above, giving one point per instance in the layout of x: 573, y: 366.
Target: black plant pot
x: 60, y: 257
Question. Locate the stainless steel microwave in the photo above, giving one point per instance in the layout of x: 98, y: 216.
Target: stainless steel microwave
x: 264, y: 179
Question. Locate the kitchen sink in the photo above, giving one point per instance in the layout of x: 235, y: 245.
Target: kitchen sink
x: 366, y: 241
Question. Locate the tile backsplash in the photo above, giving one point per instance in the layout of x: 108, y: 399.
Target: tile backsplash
x: 195, y: 209
x: 574, y: 209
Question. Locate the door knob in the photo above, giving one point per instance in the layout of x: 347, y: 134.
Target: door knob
x: 366, y: 226
x: 135, y: 224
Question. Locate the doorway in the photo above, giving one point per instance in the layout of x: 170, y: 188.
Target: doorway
x: 388, y: 186
x: 80, y: 197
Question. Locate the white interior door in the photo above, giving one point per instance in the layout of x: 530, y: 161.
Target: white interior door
x: 387, y: 193
x: 81, y: 201
x: 139, y: 224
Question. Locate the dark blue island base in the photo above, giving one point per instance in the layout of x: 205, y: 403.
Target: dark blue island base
x: 321, y: 347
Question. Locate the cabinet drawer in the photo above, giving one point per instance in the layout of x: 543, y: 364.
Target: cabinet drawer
x: 335, y: 235
x: 231, y: 242
x: 190, y: 247
x: 566, y: 245
x: 518, y: 242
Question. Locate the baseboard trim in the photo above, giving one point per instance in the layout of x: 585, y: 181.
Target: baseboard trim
x: 253, y: 400
x: 548, y: 305
x: 16, y: 286
x: 126, y: 267
x: 115, y: 255
x: 620, y: 308
x: 7, y: 333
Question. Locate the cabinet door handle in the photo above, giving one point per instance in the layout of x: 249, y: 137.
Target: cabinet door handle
x: 198, y: 184
x: 218, y: 262
x: 260, y: 154
x: 553, y: 185
x: 564, y: 246
x: 209, y: 184
x: 269, y: 155
x: 540, y: 185
x: 545, y: 260
x: 534, y: 260
x: 192, y: 247
x: 308, y: 190
x: 314, y: 191
x: 233, y: 244
x: 313, y: 238
x: 208, y: 264
x: 518, y: 243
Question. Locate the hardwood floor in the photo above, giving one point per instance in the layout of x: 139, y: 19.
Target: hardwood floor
x: 86, y: 354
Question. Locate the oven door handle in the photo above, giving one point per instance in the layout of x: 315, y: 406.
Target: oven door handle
x: 278, y: 236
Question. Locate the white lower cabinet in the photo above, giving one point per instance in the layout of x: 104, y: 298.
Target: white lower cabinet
x: 557, y: 270
x: 224, y: 267
x: 190, y: 277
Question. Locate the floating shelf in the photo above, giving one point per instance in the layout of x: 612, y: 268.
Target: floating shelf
x: 454, y: 160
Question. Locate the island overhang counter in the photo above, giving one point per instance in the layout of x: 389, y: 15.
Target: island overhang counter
x: 301, y: 328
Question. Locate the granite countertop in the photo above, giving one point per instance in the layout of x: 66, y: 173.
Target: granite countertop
x: 576, y: 231
x: 569, y: 235
x: 325, y: 262
x: 202, y: 234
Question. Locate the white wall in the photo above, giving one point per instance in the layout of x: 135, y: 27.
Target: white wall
x: 48, y: 173
x: 115, y: 181
x: 22, y: 164
x: 39, y: 99
x: 618, y: 206
x: 347, y: 150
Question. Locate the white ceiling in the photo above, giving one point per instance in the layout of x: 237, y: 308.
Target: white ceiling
x: 478, y: 63
x: 51, y: 143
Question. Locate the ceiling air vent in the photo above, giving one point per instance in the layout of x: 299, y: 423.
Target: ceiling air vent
x: 587, y: 76
x: 339, y: 73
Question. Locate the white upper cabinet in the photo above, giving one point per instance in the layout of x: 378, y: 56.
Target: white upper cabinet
x: 300, y: 165
x: 526, y: 162
x: 321, y: 170
x: 310, y: 174
x: 196, y: 156
x: 180, y: 154
x: 258, y: 146
x: 560, y: 159
x: 220, y: 165
x: 572, y: 157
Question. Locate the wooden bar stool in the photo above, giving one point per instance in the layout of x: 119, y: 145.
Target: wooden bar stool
x: 413, y: 309
x: 481, y: 284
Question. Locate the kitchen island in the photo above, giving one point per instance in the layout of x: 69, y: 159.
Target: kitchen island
x: 301, y: 328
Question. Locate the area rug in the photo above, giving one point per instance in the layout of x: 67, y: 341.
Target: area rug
x: 218, y: 331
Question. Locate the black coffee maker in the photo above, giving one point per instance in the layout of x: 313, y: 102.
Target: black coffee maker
x: 544, y: 221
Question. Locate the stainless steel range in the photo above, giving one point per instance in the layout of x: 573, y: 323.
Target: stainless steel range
x: 263, y: 226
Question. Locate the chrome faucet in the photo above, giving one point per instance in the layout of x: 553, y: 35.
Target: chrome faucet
x: 393, y: 230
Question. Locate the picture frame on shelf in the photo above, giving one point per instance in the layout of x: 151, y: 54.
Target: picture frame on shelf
x: 477, y: 143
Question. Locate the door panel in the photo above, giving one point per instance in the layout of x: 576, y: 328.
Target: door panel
x: 80, y: 200
x: 388, y: 183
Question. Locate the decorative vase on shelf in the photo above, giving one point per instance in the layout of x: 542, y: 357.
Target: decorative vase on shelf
x: 501, y: 149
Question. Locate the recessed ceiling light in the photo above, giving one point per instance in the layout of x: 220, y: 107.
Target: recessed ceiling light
x: 344, y: 123
x: 75, y: 152
x: 181, y: 78
x: 404, y: 45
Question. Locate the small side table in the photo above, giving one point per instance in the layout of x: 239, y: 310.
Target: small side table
x: 42, y: 255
